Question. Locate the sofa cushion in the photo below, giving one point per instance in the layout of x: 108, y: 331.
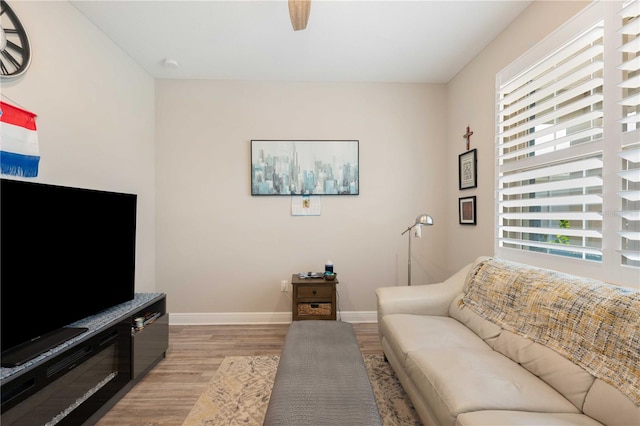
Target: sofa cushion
x: 589, y: 322
x: 571, y: 380
x: 523, y: 418
x: 454, y: 381
x: 406, y: 333
x: 609, y: 406
x: 485, y: 329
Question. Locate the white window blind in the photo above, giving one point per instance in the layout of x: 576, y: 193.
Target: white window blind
x: 566, y: 138
x: 629, y: 172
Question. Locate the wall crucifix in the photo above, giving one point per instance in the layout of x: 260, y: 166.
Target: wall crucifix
x: 467, y: 137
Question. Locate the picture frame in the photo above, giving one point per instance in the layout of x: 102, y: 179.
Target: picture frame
x: 467, y: 210
x: 304, y: 167
x: 468, y: 170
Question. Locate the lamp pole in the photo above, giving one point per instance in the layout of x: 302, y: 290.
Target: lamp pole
x: 409, y: 262
x: 423, y: 219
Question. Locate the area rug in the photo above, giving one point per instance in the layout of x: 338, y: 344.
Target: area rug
x: 238, y: 393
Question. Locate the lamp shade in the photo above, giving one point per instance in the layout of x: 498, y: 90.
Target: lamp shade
x: 424, y: 219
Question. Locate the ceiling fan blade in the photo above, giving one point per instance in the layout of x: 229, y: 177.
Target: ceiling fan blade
x: 299, y: 13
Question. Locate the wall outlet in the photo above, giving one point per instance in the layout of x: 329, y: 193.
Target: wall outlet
x: 284, y: 285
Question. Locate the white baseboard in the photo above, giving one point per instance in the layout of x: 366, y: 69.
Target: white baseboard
x: 358, y: 316
x: 233, y: 318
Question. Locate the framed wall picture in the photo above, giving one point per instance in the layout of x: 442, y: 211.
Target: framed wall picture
x: 467, y: 170
x: 305, y: 167
x: 467, y: 210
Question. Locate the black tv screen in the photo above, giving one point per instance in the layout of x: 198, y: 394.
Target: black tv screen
x: 65, y: 254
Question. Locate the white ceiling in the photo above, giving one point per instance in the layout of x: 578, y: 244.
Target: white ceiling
x: 346, y: 40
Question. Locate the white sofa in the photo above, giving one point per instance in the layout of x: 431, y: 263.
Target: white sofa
x: 460, y: 352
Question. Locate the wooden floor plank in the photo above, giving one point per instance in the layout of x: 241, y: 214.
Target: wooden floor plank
x: 165, y: 396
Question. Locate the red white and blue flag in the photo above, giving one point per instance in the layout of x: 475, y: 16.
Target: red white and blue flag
x: 19, y: 153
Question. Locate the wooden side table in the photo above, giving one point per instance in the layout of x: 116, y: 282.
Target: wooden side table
x: 313, y: 298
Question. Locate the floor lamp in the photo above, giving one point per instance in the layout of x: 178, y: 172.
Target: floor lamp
x: 423, y: 219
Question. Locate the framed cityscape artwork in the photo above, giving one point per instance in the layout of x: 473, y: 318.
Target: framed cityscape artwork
x: 305, y: 167
x: 467, y: 170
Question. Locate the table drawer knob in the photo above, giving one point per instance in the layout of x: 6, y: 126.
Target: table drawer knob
x: 315, y: 291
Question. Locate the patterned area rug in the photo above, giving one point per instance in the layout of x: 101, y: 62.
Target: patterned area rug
x: 238, y: 394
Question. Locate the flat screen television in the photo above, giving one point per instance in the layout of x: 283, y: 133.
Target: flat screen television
x: 65, y: 254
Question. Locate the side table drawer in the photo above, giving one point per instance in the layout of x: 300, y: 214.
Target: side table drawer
x: 313, y: 299
x: 315, y: 291
x: 314, y: 309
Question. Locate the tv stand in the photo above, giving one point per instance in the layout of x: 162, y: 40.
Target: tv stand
x: 78, y: 381
x: 23, y: 353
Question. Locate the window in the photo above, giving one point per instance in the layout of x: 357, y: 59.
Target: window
x: 568, y: 148
x: 629, y: 153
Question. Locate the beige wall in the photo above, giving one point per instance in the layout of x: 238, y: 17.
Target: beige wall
x: 470, y: 101
x: 221, y: 250
x: 183, y: 146
x: 95, y: 114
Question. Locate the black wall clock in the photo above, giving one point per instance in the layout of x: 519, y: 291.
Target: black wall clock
x: 15, y: 52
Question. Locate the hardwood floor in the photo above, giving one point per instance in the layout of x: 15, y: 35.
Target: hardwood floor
x: 166, y: 395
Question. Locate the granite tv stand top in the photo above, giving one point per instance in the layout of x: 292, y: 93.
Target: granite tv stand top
x: 94, y: 323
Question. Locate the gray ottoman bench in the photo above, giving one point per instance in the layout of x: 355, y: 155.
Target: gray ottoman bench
x: 321, y: 379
